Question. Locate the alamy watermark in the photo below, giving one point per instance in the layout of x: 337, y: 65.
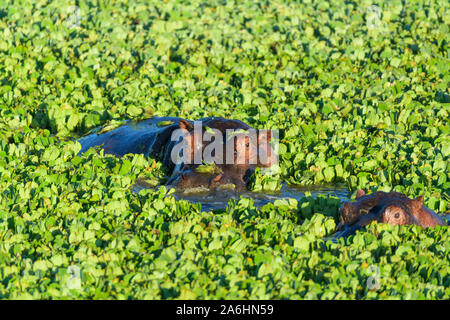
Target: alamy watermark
x: 72, y: 278
x: 237, y: 146
x: 373, y: 17
x: 373, y: 281
x: 73, y: 17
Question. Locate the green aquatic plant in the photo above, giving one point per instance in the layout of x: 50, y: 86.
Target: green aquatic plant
x: 210, y: 168
x: 357, y: 101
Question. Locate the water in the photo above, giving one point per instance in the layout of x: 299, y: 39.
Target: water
x: 214, y: 200
x: 128, y: 137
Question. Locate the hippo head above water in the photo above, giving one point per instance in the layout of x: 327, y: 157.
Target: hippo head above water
x: 385, y: 207
x: 184, y: 147
x: 228, y: 144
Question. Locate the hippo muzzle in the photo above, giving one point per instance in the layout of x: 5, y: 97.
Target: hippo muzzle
x: 226, y: 176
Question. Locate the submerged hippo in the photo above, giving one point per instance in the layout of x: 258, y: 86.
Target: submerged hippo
x: 386, y: 207
x: 181, y: 145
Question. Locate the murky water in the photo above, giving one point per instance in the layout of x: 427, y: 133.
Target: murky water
x: 213, y: 200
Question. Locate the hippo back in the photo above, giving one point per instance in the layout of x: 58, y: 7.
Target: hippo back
x: 144, y: 137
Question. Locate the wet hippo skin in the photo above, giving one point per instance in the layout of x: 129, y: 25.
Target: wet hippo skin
x: 385, y: 207
x: 150, y: 138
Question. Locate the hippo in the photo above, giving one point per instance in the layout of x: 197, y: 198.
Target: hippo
x: 386, y: 207
x: 180, y: 145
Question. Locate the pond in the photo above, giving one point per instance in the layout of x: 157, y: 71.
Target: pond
x: 213, y: 200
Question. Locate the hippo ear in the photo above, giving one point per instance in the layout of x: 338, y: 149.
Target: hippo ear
x: 419, y: 200
x: 359, y: 193
x: 186, y: 125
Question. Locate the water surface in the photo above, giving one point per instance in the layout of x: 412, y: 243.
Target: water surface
x: 213, y: 200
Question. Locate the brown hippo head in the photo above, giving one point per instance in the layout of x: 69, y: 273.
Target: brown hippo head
x: 185, y: 146
x: 232, y: 146
x: 385, y: 207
